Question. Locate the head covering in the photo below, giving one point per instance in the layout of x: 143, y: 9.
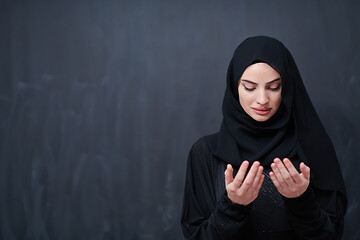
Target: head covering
x: 294, y: 130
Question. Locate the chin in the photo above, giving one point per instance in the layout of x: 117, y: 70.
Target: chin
x: 261, y: 119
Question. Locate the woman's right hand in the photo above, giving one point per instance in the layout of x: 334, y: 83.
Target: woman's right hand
x: 244, y: 191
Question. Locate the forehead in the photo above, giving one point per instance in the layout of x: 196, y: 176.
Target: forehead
x: 260, y: 73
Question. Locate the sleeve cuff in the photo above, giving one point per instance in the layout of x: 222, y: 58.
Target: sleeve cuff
x: 229, y: 214
x: 305, y: 206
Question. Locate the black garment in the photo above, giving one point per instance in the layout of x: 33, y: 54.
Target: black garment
x: 295, y: 131
x: 295, y: 126
x: 209, y: 214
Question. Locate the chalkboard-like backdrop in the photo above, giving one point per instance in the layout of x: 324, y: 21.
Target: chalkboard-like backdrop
x: 100, y: 102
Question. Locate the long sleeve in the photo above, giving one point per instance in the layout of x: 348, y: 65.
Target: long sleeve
x: 204, y: 216
x: 209, y: 214
x: 311, y: 221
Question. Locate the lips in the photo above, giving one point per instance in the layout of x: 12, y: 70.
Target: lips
x: 262, y: 111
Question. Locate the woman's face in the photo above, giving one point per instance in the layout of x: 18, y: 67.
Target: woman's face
x: 260, y: 91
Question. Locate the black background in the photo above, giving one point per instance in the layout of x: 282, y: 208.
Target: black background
x: 100, y: 102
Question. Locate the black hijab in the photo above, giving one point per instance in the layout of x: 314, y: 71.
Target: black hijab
x: 294, y: 130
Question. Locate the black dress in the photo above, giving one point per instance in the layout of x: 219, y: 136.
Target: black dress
x: 294, y: 131
x: 209, y: 214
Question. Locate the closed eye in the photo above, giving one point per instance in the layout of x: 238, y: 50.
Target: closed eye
x: 275, y: 88
x: 248, y: 89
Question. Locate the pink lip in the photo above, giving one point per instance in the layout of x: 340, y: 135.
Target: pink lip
x: 262, y: 111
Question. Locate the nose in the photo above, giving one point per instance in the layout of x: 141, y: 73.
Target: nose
x: 262, y: 98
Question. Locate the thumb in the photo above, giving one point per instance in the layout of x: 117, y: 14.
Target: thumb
x: 229, y: 174
x: 305, y: 171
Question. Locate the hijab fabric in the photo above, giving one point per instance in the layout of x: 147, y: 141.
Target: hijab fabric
x: 294, y: 130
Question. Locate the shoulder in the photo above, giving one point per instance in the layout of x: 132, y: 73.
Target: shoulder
x: 201, y: 153
x: 204, y: 145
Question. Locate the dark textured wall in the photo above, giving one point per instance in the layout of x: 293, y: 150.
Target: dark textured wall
x: 100, y: 102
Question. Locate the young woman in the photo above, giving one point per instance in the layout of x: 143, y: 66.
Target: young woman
x: 252, y: 179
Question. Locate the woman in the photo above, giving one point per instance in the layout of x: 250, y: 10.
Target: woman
x: 252, y: 179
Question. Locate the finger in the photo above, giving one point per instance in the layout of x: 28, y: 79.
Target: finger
x: 258, y: 176
x: 284, y: 172
x: 241, y: 174
x: 292, y: 170
x: 248, y: 182
x: 305, y: 170
x: 275, y: 181
x: 228, y: 174
x: 278, y: 175
x: 259, y: 184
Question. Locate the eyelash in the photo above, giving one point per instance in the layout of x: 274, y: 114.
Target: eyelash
x: 252, y: 89
x: 249, y: 89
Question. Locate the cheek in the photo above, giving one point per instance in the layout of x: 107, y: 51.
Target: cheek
x: 277, y: 99
x: 245, y: 99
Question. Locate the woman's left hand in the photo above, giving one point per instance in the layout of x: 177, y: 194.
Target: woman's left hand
x: 288, y: 181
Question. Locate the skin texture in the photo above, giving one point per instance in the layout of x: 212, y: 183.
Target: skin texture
x: 244, y: 191
x: 288, y: 181
x: 260, y: 96
x: 258, y: 90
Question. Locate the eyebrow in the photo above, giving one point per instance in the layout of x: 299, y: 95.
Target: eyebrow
x: 245, y: 80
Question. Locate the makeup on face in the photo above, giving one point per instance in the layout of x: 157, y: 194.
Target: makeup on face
x: 260, y: 91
